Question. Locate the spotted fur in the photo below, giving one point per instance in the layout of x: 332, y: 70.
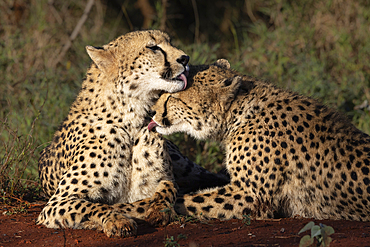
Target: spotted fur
x: 103, y: 167
x: 287, y: 154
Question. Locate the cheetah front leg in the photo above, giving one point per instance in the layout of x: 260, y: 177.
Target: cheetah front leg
x: 157, y: 210
x: 152, y: 178
x: 223, y: 203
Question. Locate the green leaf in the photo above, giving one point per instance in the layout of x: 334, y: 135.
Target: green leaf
x: 306, y: 241
x: 326, y: 241
x: 328, y: 230
x: 307, y: 227
x: 315, y: 231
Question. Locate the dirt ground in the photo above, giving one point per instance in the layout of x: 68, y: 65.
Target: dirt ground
x: 20, y: 230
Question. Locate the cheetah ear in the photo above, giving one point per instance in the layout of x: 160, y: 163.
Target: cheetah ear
x: 222, y: 63
x: 229, y: 91
x: 104, y: 59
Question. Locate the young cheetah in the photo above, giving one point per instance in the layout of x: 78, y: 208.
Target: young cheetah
x: 103, y: 160
x: 287, y: 154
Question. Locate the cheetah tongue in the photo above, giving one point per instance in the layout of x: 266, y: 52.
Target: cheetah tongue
x: 151, y: 125
x: 183, y: 78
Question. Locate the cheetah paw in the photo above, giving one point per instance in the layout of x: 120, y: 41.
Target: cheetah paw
x: 160, y: 214
x: 119, y: 226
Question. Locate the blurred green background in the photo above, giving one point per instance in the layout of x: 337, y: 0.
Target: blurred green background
x: 318, y: 48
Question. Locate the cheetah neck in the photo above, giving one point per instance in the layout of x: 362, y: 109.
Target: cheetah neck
x: 101, y: 100
x: 246, y: 109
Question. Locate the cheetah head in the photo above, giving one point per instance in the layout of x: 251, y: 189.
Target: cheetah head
x: 142, y: 62
x: 200, y: 109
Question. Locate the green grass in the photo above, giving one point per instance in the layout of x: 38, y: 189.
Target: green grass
x: 320, y: 49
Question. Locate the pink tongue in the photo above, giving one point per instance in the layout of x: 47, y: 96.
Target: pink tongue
x: 151, y: 125
x: 183, y: 78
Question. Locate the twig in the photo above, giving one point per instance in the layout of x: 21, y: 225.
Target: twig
x: 55, y: 12
x: 123, y: 8
x: 75, y: 32
x: 164, y: 15
x: 196, y: 16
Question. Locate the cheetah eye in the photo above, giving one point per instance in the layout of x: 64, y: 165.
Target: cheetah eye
x: 154, y: 47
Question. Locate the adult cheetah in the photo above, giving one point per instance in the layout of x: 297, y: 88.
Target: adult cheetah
x: 102, y: 159
x: 287, y: 154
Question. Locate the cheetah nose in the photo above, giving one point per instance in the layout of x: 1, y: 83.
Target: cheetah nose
x: 184, y: 59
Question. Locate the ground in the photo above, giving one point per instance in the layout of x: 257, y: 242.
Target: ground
x: 20, y: 230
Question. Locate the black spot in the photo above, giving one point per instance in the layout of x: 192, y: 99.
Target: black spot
x: 248, y: 199
x: 359, y: 190
x: 221, y: 191
x: 283, y: 145
x: 198, y: 199
x: 228, y: 206
x: 299, y: 140
x: 365, y: 170
x: 237, y: 197
x: 207, y: 209
x: 192, y: 209
x: 133, y: 86
x: 140, y: 210
x: 219, y: 200
x: 78, y: 206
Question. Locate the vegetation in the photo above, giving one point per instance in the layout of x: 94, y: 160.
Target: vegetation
x: 318, y: 48
x: 319, y: 232
x: 171, y: 242
x: 246, y: 219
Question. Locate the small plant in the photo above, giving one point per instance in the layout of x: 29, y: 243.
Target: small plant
x: 166, y: 210
x: 182, y: 219
x: 171, y: 242
x: 181, y: 236
x: 321, y: 232
x: 20, y: 208
x: 246, y: 219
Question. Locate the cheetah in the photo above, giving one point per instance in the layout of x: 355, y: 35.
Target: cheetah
x: 287, y: 154
x: 103, y: 168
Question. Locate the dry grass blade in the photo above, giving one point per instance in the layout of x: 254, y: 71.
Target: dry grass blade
x: 75, y: 32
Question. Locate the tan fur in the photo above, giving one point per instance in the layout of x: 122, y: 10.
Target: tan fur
x: 287, y: 154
